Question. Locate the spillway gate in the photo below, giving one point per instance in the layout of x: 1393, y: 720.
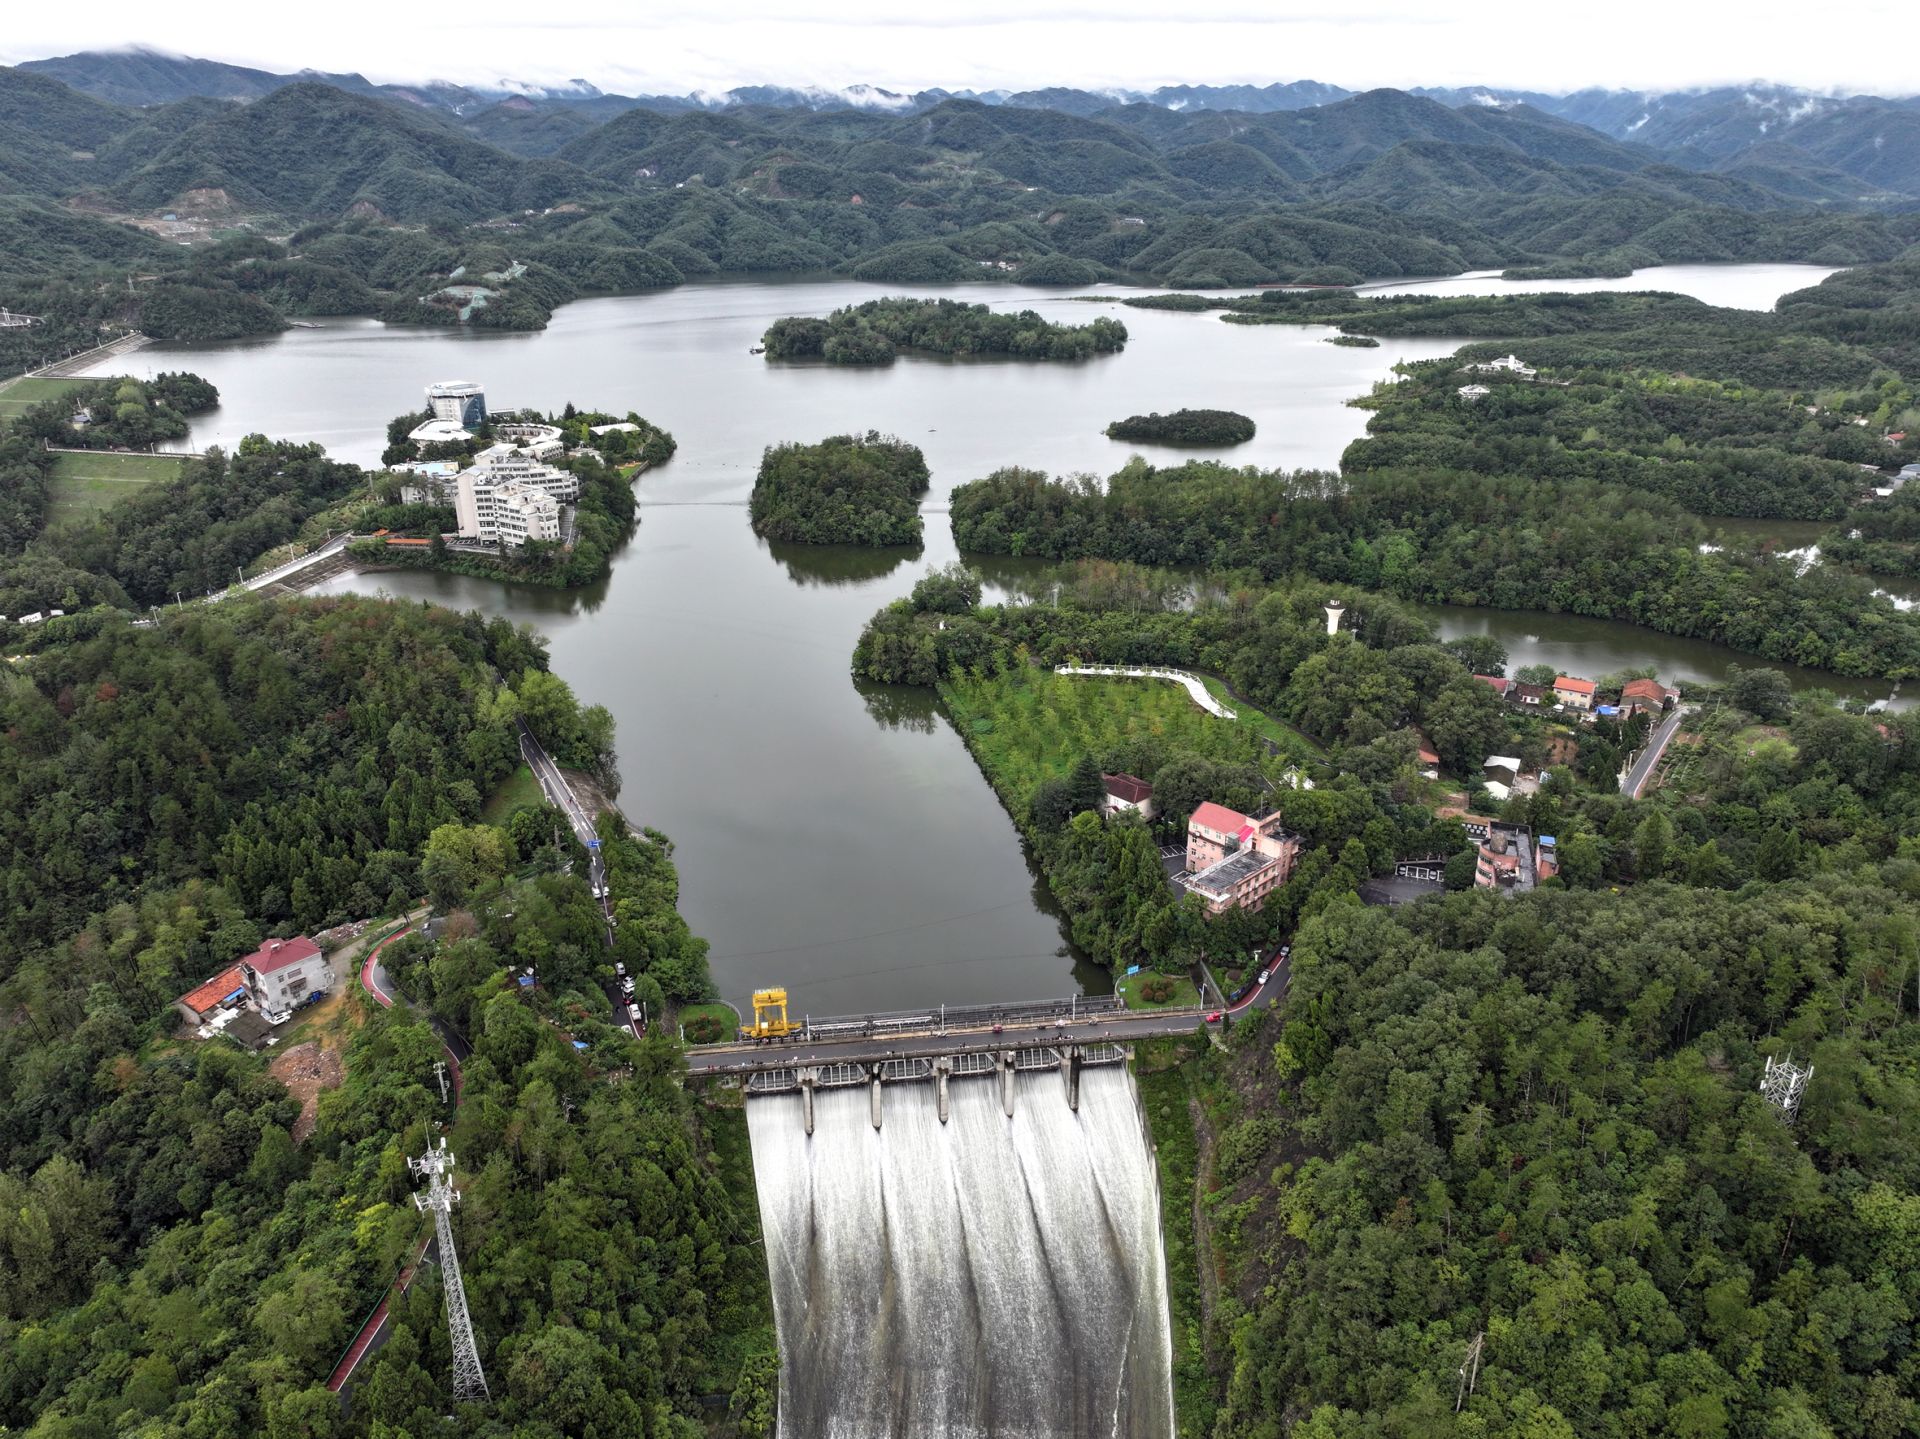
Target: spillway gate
x: 939, y: 1070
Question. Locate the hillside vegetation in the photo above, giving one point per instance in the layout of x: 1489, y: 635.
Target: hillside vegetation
x: 404, y: 208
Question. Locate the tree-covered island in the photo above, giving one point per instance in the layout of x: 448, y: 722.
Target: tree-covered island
x: 845, y: 490
x: 874, y: 332
x: 1184, y: 427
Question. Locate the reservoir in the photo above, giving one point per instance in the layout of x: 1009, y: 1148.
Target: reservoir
x: 835, y: 840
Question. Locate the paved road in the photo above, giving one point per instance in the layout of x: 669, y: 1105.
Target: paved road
x: 560, y: 795
x: 1124, y: 1027
x: 1636, y: 777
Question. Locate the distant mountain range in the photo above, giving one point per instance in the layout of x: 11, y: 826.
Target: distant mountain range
x: 1814, y: 148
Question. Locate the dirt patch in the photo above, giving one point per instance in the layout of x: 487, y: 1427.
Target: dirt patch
x: 306, y: 1069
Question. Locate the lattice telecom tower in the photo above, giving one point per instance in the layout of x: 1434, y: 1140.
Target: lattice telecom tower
x: 469, y: 1383
x: 1783, y: 1084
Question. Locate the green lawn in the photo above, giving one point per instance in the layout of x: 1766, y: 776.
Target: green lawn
x: 19, y: 394
x: 516, y: 790
x: 1031, y: 724
x: 1290, y: 740
x: 83, y: 485
x: 1185, y: 996
x: 725, y: 1013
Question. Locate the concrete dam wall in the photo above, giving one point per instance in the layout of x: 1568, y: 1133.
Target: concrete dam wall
x: 992, y: 1276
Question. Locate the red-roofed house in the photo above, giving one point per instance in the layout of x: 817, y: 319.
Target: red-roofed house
x: 197, y: 1003
x: 1498, y: 685
x: 1427, y: 755
x: 1126, y: 792
x: 1575, y: 692
x: 282, y: 972
x: 1649, y: 695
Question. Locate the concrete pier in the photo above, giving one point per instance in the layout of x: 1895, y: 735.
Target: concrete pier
x: 807, y: 1077
x: 876, y: 1099
x: 1006, y: 1081
x: 942, y: 1072
x: 1070, y: 1071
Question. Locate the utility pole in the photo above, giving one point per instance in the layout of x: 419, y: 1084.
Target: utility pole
x: 440, y: 1073
x: 1469, y: 1370
x: 469, y: 1383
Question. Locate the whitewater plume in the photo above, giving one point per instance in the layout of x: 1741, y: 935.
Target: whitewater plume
x: 986, y: 1277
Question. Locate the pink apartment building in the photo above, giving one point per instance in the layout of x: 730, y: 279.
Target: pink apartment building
x: 1233, y: 861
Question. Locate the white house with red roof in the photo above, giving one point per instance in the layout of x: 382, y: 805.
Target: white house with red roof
x: 282, y: 972
x: 1126, y: 792
x: 1574, y: 692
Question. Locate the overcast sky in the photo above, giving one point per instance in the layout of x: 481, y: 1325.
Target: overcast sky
x: 672, y: 46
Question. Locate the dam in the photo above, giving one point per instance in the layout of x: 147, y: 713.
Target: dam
x: 999, y: 1274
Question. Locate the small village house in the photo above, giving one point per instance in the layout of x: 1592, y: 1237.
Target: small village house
x: 1574, y: 692
x: 1124, y: 792
x: 1646, y: 697
x: 282, y: 972
x: 229, y: 985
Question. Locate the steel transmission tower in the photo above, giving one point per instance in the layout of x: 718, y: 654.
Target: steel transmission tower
x: 469, y: 1382
x: 1782, y: 1085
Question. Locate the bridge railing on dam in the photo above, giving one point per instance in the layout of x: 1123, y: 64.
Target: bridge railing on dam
x: 805, y: 1079
x: 957, y: 1016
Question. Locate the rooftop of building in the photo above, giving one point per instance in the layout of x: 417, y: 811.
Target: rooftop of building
x: 1130, y: 788
x: 439, y: 432
x: 1220, y: 879
x: 1574, y: 685
x: 1218, y: 818
x: 208, y: 996
x: 1644, y: 690
x: 277, y: 954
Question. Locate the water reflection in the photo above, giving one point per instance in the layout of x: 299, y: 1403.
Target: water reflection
x: 900, y: 707
x: 839, y: 564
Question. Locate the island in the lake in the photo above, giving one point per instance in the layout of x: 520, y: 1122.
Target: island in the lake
x: 1184, y: 427
x: 873, y: 333
x: 846, y: 490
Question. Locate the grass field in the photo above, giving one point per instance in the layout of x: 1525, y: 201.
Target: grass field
x: 83, y: 485
x: 1032, y: 725
x: 517, y: 789
x: 18, y: 394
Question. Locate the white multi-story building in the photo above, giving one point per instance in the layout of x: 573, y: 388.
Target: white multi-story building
x: 507, y: 511
x: 508, y: 464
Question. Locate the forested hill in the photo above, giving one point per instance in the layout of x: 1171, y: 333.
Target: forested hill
x: 339, y: 198
x: 187, y: 1249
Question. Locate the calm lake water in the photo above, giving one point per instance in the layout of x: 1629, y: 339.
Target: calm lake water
x: 834, y: 839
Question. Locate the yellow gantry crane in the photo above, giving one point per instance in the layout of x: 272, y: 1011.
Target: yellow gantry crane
x: 769, y: 1016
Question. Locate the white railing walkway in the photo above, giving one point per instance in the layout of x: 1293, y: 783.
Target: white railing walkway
x: 1192, y: 682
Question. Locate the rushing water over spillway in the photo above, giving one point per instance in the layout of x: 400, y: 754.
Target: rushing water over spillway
x: 991, y: 1276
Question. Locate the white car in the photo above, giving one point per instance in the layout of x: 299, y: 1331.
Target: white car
x: 1265, y: 975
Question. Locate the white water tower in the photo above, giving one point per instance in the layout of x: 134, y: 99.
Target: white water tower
x: 1335, y: 609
